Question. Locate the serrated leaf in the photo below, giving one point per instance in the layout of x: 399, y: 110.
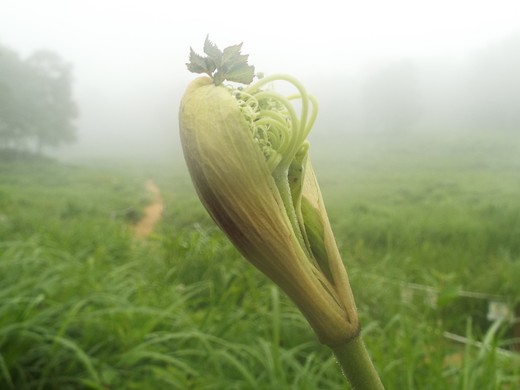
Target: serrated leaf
x: 231, y: 55
x: 241, y: 73
x: 210, y: 65
x: 197, y: 63
x: 229, y: 64
x: 213, y: 52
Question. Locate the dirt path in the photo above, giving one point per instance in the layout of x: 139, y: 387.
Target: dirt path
x: 152, y: 212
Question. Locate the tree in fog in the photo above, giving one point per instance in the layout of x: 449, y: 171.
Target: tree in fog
x: 390, y: 98
x: 11, y: 113
x: 36, y: 105
x: 493, y: 86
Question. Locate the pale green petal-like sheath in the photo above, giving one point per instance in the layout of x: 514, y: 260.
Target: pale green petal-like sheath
x: 232, y: 179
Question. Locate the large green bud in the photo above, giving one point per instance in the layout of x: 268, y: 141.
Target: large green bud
x: 246, y: 152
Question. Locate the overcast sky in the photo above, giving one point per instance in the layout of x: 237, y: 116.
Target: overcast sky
x: 129, y: 56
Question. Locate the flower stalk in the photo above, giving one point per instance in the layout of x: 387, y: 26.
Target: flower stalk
x: 247, y: 154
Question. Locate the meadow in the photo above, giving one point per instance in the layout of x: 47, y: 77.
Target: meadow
x: 429, y: 230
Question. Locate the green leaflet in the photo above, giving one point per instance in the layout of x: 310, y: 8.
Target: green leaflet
x: 296, y: 174
x: 309, y: 218
x: 295, y: 178
x: 315, y: 233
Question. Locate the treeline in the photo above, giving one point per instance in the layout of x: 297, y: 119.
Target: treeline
x: 36, y: 104
x: 476, y: 92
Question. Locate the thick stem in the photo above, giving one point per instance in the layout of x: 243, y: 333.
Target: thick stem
x: 357, y: 365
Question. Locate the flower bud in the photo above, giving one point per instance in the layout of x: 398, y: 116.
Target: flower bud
x: 259, y: 187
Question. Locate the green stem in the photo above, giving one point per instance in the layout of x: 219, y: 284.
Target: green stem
x: 357, y: 365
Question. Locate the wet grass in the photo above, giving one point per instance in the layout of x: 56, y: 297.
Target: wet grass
x: 85, y: 305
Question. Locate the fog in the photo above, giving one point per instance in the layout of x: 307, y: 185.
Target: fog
x: 376, y: 67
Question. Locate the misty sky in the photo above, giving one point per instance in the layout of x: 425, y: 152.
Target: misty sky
x: 129, y: 56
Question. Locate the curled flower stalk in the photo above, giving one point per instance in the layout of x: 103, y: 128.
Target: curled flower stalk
x: 247, y: 153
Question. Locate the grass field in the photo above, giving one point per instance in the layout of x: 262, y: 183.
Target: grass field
x: 84, y: 304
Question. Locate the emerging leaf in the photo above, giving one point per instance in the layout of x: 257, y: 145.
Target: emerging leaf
x: 269, y: 205
x: 229, y: 64
x: 241, y: 73
x: 213, y: 52
x: 197, y: 64
x: 232, y: 56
